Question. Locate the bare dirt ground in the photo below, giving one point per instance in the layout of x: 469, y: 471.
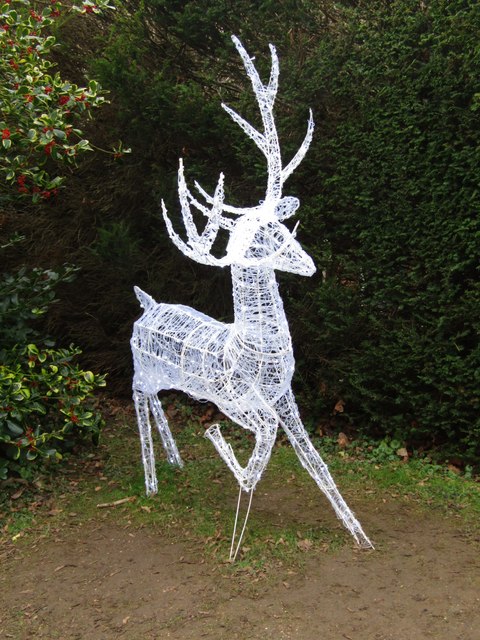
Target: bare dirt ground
x: 101, y: 579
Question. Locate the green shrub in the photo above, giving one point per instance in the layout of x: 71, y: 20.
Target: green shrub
x: 25, y: 296
x: 46, y: 400
x: 47, y: 405
x: 40, y: 110
x: 389, y: 189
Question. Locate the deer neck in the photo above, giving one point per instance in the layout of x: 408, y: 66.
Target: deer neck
x: 258, y: 309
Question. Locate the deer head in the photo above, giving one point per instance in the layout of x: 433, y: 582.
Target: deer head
x: 257, y: 235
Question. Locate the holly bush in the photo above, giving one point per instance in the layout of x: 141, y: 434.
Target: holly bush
x: 47, y: 406
x: 40, y: 111
x: 26, y: 296
x: 46, y: 401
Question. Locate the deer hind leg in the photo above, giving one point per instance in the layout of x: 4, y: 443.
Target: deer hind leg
x: 316, y: 467
x: 145, y: 430
x: 264, y: 424
x: 144, y: 402
x: 169, y: 443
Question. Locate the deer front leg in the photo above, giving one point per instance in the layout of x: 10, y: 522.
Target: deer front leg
x: 264, y: 425
x: 290, y: 420
x: 145, y: 430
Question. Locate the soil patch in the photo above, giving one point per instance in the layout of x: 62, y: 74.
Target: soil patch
x: 99, y: 580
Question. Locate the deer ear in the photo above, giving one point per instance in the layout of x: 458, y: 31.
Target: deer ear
x: 286, y: 207
x: 145, y: 300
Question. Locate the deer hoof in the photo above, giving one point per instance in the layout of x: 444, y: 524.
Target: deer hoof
x: 213, y: 432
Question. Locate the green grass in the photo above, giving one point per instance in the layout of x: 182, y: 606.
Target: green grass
x: 197, y: 502
x: 432, y: 486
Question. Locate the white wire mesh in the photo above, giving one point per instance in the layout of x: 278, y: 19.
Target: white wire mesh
x: 245, y: 367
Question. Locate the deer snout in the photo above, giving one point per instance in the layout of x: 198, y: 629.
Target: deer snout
x: 310, y: 267
x: 296, y: 260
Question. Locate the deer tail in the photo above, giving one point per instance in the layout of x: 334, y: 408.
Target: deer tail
x: 145, y: 300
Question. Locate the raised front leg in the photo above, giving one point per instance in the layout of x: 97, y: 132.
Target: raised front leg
x: 290, y: 420
x: 264, y: 424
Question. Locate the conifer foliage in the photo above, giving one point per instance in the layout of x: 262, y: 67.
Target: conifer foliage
x: 389, y: 330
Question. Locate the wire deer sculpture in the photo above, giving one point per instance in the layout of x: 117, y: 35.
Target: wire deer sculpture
x: 245, y: 367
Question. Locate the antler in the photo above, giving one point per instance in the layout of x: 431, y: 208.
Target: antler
x: 267, y: 142
x: 198, y: 245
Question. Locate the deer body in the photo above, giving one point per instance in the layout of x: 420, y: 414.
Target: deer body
x: 162, y: 335
x: 244, y: 367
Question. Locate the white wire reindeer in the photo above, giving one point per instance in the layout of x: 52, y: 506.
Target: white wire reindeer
x: 246, y: 367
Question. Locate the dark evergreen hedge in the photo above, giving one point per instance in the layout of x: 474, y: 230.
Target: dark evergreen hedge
x: 398, y: 206
x: 389, y: 190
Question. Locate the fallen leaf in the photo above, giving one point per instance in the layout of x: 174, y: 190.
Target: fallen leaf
x: 171, y: 411
x: 305, y: 545
x: 339, y: 407
x: 17, y: 493
x: 125, y: 620
x: 342, y: 440
x: 454, y: 469
x: 207, y: 415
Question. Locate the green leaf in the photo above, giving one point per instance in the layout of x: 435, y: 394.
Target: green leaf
x: 14, y: 428
x: 49, y: 42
